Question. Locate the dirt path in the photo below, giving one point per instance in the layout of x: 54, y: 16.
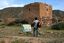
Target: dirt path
x: 34, y: 39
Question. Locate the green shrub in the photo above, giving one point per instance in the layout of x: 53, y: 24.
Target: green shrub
x: 59, y: 26
x: 16, y: 41
x: 24, y: 22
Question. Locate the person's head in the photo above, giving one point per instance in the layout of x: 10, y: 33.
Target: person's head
x: 36, y: 18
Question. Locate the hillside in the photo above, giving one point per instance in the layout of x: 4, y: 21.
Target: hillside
x: 14, y: 12
x: 58, y: 15
x: 10, y: 12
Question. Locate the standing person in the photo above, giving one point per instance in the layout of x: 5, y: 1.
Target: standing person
x: 36, y: 25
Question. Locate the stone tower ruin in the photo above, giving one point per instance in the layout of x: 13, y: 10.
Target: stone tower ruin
x: 41, y: 10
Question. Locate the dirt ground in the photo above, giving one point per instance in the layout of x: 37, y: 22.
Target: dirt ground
x: 13, y: 34
x: 17, y: 39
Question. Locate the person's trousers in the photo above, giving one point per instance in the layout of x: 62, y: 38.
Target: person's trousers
x: 35, y: 32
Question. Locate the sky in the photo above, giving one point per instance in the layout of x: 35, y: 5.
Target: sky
x: 56, y: 4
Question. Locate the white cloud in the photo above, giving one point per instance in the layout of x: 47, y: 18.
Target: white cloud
x: 3, y: 3
x: 16, y: 5
x: 7, y: 3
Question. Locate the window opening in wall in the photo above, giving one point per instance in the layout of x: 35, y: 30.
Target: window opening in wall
x: 29, y: 9
x: 46, y: 8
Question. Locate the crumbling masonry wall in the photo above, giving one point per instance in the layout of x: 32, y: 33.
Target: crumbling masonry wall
x: 41, y: 10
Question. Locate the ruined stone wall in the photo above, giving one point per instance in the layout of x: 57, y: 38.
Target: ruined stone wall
x: 41, y: 10
x: 30, y: 12
x: 46, y: 14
